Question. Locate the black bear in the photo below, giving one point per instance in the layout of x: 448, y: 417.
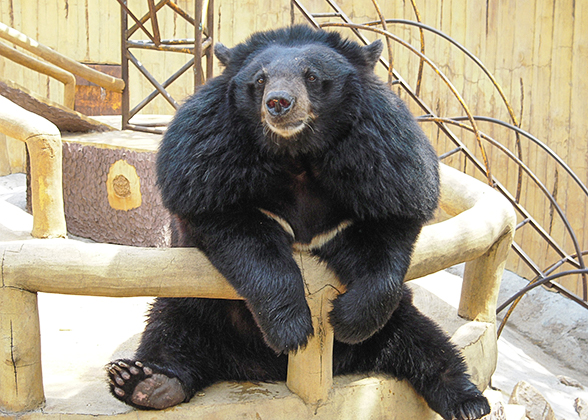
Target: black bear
x: 296, y: 144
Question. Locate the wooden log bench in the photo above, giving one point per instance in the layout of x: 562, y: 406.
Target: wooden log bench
x: 479, y: 232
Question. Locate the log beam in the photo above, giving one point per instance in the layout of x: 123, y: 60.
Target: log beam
x: 65, y: 77
x: 104, y: 80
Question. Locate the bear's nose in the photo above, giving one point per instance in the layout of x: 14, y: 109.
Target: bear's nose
x: 278, y: 103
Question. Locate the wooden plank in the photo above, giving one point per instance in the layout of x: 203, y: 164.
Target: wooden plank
x: 579, y: 108
x: 578, y: 157
x: 560, y: 92
x: 561, y: 75
x: 542, y: 49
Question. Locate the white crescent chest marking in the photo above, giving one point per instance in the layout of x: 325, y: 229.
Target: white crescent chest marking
x: 317, y: 241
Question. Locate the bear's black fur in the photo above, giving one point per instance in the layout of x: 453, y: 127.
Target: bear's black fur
x: 296, y: 144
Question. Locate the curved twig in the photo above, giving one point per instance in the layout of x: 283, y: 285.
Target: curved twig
x: 422, y: 34
x: 388, y: 44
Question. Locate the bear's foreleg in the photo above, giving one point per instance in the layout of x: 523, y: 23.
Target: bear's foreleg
x: 254, y: 254
x: 370, y: 258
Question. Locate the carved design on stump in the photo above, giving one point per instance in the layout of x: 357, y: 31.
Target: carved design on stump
x: 87, y: 172
x: 123, y: 186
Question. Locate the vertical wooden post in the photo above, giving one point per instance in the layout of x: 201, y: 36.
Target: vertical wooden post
x: 481, y: 282
x: 198, y: 76
x: 124, y: 66
x: 45, y: 153
x: 43, y: 141
x: 20, y: 351
x: 210, y: 29
x: 310, y: 370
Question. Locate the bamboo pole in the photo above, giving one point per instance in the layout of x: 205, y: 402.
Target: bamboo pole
x: 104, y: 80
x: 68, y: 80
x: 43, y: 141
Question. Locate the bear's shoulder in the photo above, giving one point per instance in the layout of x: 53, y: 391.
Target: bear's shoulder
x: 207, y: 159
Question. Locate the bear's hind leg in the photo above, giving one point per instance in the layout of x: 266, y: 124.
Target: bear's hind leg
x: 175, y: 358
x: 189, y: 344
x: 412, y: 347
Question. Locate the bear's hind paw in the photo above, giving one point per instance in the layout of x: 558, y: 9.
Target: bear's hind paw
x: 142, y: 386
x: 473, y: 408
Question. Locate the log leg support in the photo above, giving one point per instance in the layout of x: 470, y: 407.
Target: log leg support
x: 481, y: 282
x: 310, y: 370
x: 479, y: 294
x: 21, y: 378
x: 46, y: 186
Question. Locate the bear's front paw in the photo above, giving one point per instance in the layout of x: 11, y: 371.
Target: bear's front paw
x: 472, y: 408
x: 143, y: 386
x: 287, y: 332
x: 353, y: 320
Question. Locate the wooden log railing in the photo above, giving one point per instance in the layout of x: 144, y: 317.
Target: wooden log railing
x: 43, y: 141
x: 65, y: 77
x: 480, y: 233
x: 106, y: 81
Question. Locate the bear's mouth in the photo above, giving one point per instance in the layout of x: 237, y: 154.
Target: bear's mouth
x: 286, y: 130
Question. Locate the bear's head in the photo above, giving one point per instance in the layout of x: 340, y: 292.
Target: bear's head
x: 297, y: 85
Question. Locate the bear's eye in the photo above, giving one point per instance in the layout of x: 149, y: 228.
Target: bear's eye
x: 311, y: 78
x: 260, y: 80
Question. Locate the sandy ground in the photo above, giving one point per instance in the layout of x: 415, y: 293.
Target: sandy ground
x: 547, y: 336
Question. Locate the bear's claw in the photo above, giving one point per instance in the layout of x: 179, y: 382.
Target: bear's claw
x: 471, y: 409
x: 142, y: 386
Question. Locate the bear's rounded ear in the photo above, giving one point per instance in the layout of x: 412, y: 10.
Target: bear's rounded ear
x: 222, y: 53
x: 373, y: 51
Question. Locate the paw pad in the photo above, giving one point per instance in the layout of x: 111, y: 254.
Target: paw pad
x: 142, y: 386
x: 122, y: 372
